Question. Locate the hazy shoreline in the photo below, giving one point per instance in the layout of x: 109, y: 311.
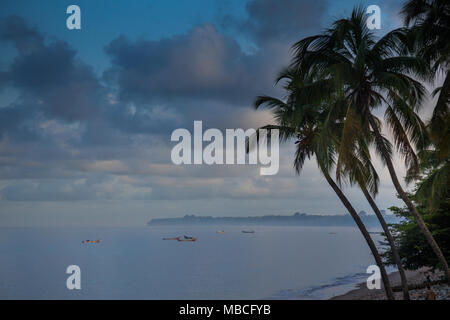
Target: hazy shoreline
x: 297, y: 219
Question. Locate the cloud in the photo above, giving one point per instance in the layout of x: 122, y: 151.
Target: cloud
x: 71, y: 136
x: 93, y: 188
x: 269, y: 21
x: 55, y: 82
x: 23, y: 37
x: 51, y: 84
x: 205, y: 64
x: 87, y: 138
x: 202, y: 65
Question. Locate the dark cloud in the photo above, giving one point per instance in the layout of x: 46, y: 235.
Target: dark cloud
x: 202, y: 64
x: 54, y: 85
x: 63, y: 87
x: 274, y: 21
x: 24, y: 38
x: 51, y: 82
x: 207, y: 65
x: 71, y: 135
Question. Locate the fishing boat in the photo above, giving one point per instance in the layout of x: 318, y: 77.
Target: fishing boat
x: 90, y: 241
x: 221, y: 232
x: 248, y: 231
x: 190, y: 239
x: 184, y: 239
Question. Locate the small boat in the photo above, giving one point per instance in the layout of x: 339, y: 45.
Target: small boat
x: 191, y: 239
x: 248, y: 231
x: 221, y: 232
x: 90, y: 241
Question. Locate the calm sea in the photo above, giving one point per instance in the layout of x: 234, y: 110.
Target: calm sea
x: 135, y: 263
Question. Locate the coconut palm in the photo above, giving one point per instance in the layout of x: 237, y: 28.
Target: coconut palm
x: 435, y: 177
x: 364, y: 174
x: 430, y: 27
x: 360, y: 169
x: 314, y: 127
x: 371, y: 74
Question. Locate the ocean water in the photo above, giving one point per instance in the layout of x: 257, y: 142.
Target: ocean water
x: 135, y: 263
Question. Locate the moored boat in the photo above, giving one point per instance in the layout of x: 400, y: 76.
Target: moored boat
x: 91, y: 241
x: 190, y: 239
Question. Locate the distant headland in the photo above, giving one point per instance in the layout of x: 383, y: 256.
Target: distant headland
x: 297, y: 219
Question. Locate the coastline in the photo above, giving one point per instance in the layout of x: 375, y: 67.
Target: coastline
x: 414, y: 277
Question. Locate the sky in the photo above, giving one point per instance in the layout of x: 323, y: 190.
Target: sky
x: 86, y: 115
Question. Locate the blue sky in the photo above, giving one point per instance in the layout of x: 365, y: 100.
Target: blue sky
x: 86, y: 115
x: 104, y: 20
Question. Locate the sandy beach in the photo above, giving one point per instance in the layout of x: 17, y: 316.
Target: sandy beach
x: 415, y: 277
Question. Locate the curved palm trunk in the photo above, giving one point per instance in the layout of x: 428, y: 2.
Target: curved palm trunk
x: 366, y: 235
x: 412, y: 209
x: 388, y: 234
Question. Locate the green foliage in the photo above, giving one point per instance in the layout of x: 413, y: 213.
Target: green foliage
x: 428, y: 34
x: 411, y: 243
x: 364, y: 73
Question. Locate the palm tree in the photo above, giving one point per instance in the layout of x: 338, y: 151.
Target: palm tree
x: 430, y: 29
x: 435, y: 176
x: 364, y: 174
x: 360, y: 170
x: 387, y: 232
x: 313, y: 126
x: 371, y: 74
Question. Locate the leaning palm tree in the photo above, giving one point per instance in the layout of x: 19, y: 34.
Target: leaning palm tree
x: 312, y: 127
x: 372, y: 74
x: 434, y: 177
x: 363, y: 173
x: 429, y: 22
x: 360, y: 170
